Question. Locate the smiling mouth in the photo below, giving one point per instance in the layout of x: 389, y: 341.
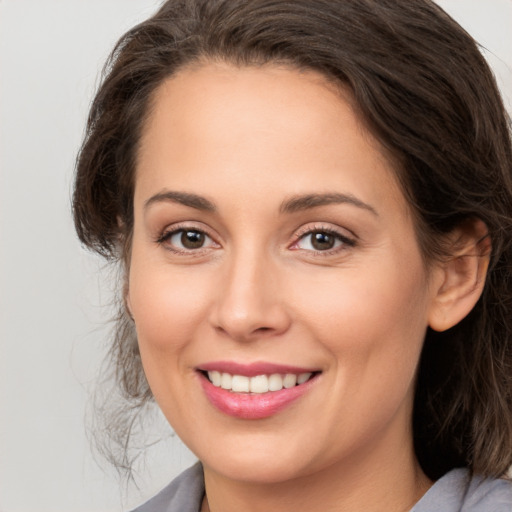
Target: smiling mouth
x: 257, y: 384
x: 254, y: 391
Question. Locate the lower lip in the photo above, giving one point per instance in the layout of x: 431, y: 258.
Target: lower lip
x: 253, y: 406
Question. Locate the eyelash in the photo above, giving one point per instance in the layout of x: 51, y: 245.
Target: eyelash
x: 165, y: 237
x: 346, y: 242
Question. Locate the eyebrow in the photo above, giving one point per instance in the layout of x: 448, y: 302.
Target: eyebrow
x: 305, y: 202
x: 292, y: 205
x: 184, y: 198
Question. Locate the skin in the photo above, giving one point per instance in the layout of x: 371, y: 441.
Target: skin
x: 248, y: 140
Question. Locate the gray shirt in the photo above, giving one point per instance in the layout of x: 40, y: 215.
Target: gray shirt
x: 456, y: 491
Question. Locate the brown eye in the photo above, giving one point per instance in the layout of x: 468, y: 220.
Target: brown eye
x: 192, y: 239
x: 322, y: 241
x: 183, y: 240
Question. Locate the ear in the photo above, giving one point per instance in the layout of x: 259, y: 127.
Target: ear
x: 462, y: 275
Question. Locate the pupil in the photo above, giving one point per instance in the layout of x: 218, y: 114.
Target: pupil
x: 192, y: 239
x: 322, y: 241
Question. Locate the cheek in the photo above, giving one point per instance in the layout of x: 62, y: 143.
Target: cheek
x: 168, y: 308
x: 167, y: 305
x: 370, y: 319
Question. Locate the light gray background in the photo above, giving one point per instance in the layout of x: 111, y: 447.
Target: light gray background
x: 52, y: 295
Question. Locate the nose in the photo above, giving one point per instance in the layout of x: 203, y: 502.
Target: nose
x: 249, y: 303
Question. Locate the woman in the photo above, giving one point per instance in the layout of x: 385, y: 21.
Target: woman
x: 312, y: 204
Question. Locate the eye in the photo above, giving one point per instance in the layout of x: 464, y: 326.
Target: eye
x: 318, y: 241
x: 322, y: 240
x: 187, y: 239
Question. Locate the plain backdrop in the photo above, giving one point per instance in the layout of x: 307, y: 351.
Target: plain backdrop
x: 53, y: 295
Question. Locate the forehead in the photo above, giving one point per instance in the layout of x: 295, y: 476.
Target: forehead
x: 267, y: 125
x: 206, y: 92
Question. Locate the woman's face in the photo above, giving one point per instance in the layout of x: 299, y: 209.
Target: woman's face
x: 270, y: 239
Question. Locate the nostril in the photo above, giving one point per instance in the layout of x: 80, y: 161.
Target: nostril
x: 232, y: 332
x: 244, y: 320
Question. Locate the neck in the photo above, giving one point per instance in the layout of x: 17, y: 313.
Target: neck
x: 380, y: 479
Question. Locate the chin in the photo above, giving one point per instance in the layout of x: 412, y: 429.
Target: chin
x: 275, y: 461
x: 271, y: 470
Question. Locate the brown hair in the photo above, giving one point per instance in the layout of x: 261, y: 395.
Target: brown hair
x: 426, y: 93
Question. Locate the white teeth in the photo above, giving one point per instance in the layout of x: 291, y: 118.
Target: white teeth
x: 275, y: 382
x: 289, y: 380
x: 240, y: 384
x: 303, y: 377
x: 257, y: 384
x: 215, y: 377
x: 225, y: 382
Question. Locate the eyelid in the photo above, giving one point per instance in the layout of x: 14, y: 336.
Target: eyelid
x: 165, y: 234
x: 348, y: 240
x: 327, y: 227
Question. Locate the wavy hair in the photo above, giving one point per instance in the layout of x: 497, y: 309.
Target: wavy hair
x: 426, y: 93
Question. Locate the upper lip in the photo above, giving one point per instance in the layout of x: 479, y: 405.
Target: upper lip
x: 253, y: 369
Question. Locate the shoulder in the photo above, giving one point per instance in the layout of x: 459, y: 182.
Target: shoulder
x: 184, y: 494
x: 457, y: 491
x: 493, y: 495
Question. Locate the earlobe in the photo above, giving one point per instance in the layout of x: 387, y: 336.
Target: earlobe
x: 463, y: 275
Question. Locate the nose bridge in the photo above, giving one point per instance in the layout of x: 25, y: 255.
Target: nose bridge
x: 248, y: 304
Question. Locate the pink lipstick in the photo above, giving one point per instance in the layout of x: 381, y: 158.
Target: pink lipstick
x: 254, y: 391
